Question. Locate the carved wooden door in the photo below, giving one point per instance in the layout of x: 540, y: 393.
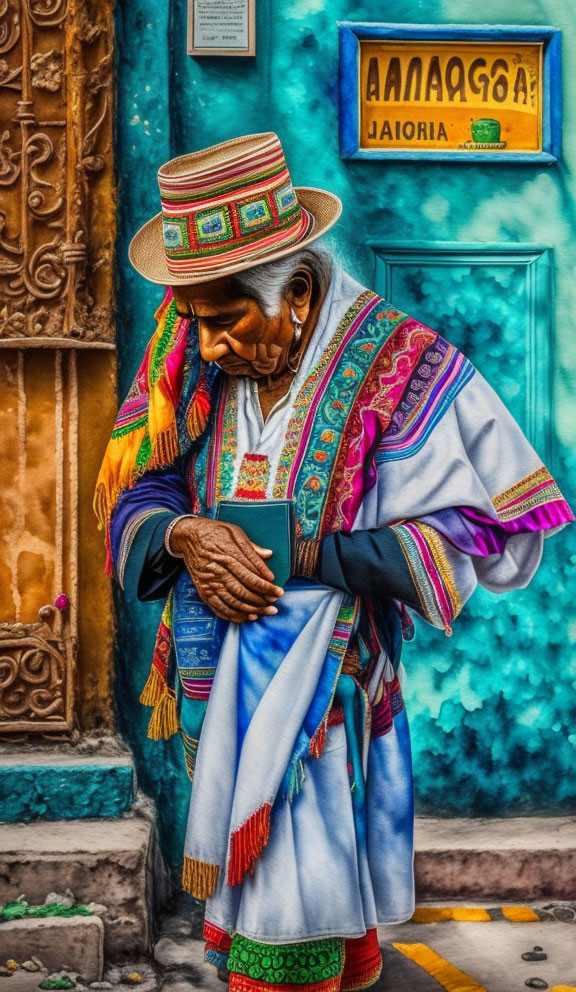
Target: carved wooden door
x: 56, y: 246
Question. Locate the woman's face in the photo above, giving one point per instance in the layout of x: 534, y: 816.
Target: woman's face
x: 235, y: 333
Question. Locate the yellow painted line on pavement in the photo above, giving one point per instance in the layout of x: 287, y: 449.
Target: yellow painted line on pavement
x: 564, y: 988
x: 471, y: 914
x: 520, y: 914
x: 446, y: 974
x: 441, y: 914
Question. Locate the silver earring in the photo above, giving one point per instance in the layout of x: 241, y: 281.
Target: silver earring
x: 297, y: 326
x: 294, y: 361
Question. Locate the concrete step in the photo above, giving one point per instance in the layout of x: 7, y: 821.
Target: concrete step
x: 111, y: 862
x: 521, y: 858
x: 64, y: 784
x: 78, y: 941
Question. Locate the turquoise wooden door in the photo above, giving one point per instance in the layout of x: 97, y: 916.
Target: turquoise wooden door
x: 485, y: 713
x: 484, y: 253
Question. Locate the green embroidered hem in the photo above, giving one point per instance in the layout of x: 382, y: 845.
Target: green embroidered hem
x: 287, y: 964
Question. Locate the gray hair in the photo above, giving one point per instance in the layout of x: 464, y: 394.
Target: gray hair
x: 267, y: 283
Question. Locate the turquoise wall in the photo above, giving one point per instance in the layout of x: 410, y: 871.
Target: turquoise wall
x: 492, y: 709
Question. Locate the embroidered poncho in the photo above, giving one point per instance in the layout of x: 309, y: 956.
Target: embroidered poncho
x: 387, y: 425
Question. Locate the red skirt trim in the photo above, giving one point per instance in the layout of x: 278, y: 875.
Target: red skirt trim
x: 241, y: 983
x: 219, y: 939
x: 362, y: 962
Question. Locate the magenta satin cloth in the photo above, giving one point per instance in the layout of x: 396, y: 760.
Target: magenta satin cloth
x: 476, y: 533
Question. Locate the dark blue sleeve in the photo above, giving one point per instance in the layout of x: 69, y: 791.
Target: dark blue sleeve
x: 367, y: 563
x: 137, y: 529
x: 150, y: 570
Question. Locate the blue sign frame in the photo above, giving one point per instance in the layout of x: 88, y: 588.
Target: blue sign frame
x: 352, y: 33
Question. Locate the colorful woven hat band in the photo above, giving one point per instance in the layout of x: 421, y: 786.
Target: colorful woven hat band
x: 231, y: 210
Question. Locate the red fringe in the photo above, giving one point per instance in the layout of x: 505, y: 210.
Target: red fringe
x: 247, y: 843
x: 109, y: 562
x: 318, y: 741
x: 335, y: 716
x: 161, y: 650
x: 199, y: 409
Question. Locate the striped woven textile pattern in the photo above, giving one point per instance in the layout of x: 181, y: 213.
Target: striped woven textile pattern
x: 239, y: 209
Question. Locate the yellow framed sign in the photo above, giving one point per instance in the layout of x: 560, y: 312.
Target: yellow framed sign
x: 458, y: 92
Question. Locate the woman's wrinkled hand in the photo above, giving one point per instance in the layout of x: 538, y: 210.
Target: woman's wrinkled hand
x: 227, y: 569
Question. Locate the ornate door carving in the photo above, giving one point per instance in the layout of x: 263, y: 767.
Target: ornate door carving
x: 56, y: 297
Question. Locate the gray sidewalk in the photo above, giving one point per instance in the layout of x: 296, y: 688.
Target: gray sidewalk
x: 457, y: 956
x: 477, y: 956
x: 480, y: 953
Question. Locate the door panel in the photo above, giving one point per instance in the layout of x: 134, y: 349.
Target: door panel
x: 494, y: 303
x: 485, y: 719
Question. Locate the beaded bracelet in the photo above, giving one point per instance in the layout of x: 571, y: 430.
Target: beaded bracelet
x: 169, y: 530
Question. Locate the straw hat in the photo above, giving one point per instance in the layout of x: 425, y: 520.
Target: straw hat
x: 227, y: 208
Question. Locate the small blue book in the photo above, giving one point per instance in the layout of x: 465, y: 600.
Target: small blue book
x: 268, y: 523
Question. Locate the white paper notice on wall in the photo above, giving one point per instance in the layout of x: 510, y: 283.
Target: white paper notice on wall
x: 221, y: 27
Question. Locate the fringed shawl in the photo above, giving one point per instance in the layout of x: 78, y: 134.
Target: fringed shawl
x: 165, y: 411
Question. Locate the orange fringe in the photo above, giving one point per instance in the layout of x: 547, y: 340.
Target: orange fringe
x: 318, y: 741
x: 164, y: 720
x: 120, y: 468
x: 199, y: 878
x: 117, y: 473
x: 120, y: 472
x: 101, y: 505
x: 165, y: 449
x: 155, y: 686
x: 247, y: 843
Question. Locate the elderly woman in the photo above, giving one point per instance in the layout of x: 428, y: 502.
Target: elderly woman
x: 295, y: 464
